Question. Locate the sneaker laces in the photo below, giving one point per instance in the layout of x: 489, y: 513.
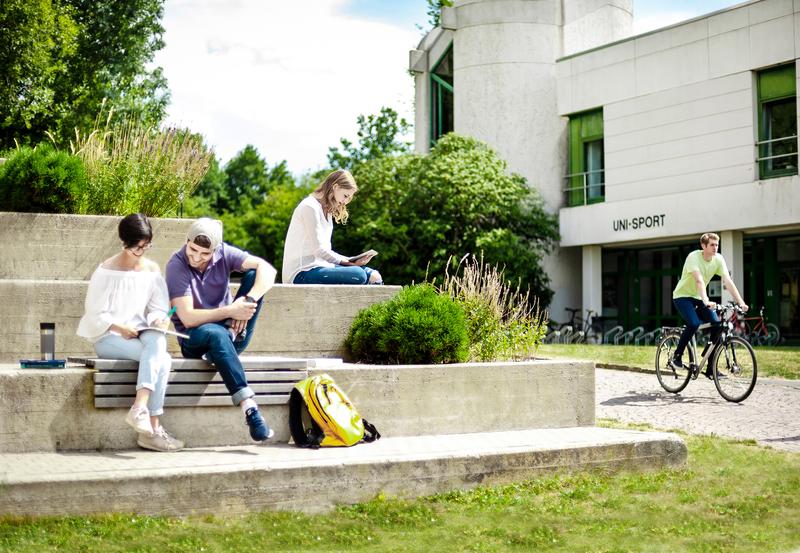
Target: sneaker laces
x: 164, y: 434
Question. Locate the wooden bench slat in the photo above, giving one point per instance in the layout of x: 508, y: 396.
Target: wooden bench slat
x: 191, y: 389
x: 190, y: 401
x: 181, y: 364
x: 255, y: 376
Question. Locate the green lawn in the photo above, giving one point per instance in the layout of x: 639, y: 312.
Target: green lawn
x: 733, y: 497
x: 777, y: 361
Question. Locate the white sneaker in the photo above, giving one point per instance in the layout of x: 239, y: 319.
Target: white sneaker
x: 160, y: 441
x: 139, y: 419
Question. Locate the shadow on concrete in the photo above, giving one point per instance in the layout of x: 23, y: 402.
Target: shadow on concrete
x: 649, y: 398
x: 787, y: 439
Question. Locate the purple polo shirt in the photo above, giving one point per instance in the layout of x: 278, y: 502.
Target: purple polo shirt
x: 209, y: 289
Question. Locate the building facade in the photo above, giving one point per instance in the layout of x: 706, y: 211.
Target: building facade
x: 639, y: 143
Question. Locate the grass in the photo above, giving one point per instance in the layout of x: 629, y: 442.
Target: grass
x: 732, y: 497
x: 779, y: 362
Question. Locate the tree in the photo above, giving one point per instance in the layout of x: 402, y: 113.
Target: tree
x: 62, y: 59
x: 36, y: 40
x: 434, y: 11
x: 419, y: 211
x: 262, y: 230
x: 377, y: 137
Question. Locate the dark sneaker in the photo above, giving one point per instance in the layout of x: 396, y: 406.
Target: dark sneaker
x: 259, y: 430
x: 676, y: 363
x: 708, y: 373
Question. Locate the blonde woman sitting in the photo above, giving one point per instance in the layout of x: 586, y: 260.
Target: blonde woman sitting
x: 308, y: 257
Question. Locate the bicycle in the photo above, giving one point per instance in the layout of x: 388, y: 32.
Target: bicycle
x: 590, y: 327
x: 730, y: 358
x: 761, y: 333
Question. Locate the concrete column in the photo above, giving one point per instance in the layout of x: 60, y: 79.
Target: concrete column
x: 592, y: 279
x: 732, y: 249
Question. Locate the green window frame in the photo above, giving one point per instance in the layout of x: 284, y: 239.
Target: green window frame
x: 777, y: 122
x: 586, y: 177
x: 441, y: 81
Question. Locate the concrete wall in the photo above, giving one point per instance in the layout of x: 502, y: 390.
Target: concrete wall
x: 48, y: 259
x: 300, y: 321
x: 70, y: 247
x: 49, y: 410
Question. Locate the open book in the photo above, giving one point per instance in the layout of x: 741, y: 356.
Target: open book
x: 369, y: 254
x: 164, y: 330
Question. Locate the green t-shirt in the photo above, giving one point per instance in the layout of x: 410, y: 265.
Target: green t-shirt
x: 686, y: 287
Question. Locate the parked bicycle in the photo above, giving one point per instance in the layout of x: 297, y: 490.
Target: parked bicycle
x: 731, y: 359
x: 756, y: 330
x: 590, y: 327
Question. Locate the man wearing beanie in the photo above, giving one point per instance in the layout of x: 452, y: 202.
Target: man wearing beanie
x: 219, y: 329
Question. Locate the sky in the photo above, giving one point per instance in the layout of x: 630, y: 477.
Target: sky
x: 291, y: 77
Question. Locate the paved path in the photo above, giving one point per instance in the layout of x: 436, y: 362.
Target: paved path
x: 771, y: 415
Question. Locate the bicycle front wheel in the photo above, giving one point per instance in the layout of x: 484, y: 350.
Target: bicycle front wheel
x: 735, y: 369
x: 672, y: 379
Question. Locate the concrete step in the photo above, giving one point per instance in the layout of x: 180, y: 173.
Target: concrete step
x: 224, y: 480
x: 53, y: 409
x: 297, y: 321
x: 70, y: 247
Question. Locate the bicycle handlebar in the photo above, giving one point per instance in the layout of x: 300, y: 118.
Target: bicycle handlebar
x: 730, y: 306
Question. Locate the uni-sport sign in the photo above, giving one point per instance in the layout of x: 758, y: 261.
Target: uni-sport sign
x: 641, y: 222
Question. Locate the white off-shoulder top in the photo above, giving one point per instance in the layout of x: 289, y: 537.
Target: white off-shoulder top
x: 131, y: 298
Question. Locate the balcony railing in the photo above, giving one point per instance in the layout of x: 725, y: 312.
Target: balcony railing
x: 591, y: 188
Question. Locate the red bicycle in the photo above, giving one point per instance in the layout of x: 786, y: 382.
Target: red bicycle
x: 756, y: 330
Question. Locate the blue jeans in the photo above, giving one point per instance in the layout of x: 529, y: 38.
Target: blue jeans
x: 694, y: 313
x: 352, y: 274
x: 215, y: 341
x: 150, y: 350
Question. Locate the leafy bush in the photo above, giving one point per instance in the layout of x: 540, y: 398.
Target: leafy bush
x: 132, y: 168
x: 502, y: 321
x: 418, y: 325
x: 42, y: 180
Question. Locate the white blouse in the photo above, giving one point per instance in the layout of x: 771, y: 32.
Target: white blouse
x: 130, y: 298
x: 308, y: 240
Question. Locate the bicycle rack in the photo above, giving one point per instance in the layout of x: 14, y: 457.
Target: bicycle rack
x: 631, y: 335
x: 612, y: 334
x: 648, y: 338
x: 553, y: 337
x: 566, y: 335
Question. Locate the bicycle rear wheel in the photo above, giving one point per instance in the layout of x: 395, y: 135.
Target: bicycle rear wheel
x: 773, y: 335
x: 594, y: 334
x: 671, y: 379
x: 735, y: 369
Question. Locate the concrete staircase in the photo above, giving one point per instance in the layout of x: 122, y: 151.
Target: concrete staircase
x: 47, y: 261
x: 444, y: 426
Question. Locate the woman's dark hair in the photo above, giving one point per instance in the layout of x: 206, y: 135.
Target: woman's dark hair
x: 134, y: 228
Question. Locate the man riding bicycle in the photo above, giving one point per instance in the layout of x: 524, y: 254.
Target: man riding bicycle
x: 690, y: 297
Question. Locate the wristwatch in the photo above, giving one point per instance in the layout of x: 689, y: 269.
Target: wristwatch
x: 250, y: 299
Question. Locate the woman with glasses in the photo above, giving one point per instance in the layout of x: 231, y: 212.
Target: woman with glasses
x: 127, y: 293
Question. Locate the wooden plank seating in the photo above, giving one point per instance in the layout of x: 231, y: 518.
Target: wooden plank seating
x: 195, y: 382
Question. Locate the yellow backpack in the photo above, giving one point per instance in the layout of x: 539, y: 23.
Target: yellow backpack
x: 321, y: 415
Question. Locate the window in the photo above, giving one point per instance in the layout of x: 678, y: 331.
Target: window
x: 777, y: 122
x: 586, y: 178
x: 442, y: 97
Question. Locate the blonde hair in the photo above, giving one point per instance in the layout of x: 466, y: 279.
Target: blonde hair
x: 707, y: 237
x: 324, y: 193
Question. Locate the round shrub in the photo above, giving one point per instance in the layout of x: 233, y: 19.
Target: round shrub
x: 418, y: 325
x: 42, y: 180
